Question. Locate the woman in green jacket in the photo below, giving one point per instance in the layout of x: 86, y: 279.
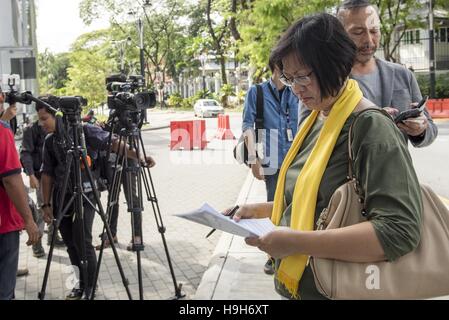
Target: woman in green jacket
x: 316, y: 56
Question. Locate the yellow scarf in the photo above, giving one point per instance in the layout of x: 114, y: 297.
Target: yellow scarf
x: 306, y: 188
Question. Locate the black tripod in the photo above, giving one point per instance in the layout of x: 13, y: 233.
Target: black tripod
x: 76, y: 159
x: 135, y: 173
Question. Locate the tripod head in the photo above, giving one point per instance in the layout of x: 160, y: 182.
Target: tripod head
x: 67, y: 113
x: 71, y: 108
x: 128, y: 99
x: 120, y: 119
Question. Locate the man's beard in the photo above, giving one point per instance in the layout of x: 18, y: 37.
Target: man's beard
x: 365, y: 53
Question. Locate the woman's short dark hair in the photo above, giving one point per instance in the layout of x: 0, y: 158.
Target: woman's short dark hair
x: 321, y: 43
x: 48, y: 99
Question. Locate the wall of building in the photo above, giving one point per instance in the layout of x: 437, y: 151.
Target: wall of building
x: 18, y: 41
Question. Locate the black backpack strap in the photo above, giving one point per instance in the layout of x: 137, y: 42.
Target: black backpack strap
x: 259, y: 110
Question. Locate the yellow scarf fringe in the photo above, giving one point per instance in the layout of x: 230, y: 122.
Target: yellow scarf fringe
x: 307, y: 184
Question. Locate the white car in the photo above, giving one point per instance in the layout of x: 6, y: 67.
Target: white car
x: 207, y: 108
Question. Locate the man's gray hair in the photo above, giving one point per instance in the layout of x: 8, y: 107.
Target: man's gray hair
x: 350, y: 4
x: 353, y: 4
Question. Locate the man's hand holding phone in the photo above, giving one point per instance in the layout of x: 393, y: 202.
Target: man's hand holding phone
x: 414, y: 126
x: 413, y: 122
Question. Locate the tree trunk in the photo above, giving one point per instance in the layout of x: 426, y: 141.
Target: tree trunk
x: 224, y: 79
x: 233, y: 22
x: 216, y: 43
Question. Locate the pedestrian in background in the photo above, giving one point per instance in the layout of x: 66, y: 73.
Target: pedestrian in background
x: 31, y: 159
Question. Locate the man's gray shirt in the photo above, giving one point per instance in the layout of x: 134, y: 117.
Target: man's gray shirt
x: 397, y: 87
x: 370, y: 86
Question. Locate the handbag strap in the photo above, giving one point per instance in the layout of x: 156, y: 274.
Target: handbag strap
x: 351, y: 175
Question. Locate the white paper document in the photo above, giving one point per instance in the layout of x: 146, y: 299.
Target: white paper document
x: 208, y: 216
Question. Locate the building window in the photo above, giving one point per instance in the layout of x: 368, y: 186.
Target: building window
x: 25, y: 67
x: 412, y: 37
x: 442, y: 34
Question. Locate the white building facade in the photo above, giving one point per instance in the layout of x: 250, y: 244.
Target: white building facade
x: 18, y: 46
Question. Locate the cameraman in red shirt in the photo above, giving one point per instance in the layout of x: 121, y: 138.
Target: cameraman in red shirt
x: 15, y: 214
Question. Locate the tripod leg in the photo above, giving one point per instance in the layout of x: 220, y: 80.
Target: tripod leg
x: 108, y: 232
x: 56, y: 222
x: 113, y: 190
x: 113, y: 198
x: 151, y: 196
x: 133, y: 196
x: 79, y: 222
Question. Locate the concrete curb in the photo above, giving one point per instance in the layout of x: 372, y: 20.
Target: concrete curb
x: 155, y: 128
x: 167, y: 125
x: 210, y: 278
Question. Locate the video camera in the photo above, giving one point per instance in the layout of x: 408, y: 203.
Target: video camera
x: 71, y: 105
x: 67, y: 105
x: 13, y: 96
x: 124, y: 93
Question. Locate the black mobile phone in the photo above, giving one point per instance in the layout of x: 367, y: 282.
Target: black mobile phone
x: 412, y: 113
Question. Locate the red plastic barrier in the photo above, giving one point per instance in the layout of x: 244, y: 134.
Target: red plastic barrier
x: 199, y: 134
x: 224, y: 130
x: 445, y: 104
x: 438, y: 108
x: 430, y: 105
x: 188, y: 135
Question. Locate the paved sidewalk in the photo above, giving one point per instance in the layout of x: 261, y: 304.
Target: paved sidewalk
x: 183, y: 180
x: 235, y: 271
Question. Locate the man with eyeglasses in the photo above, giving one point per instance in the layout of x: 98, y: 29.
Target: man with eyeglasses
x: 280, y: 123
x: 388, y: 85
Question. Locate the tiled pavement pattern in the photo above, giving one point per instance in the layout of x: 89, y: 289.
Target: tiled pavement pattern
x: 179, y: 188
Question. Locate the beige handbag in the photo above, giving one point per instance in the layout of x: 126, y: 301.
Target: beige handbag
x: 422, y: 273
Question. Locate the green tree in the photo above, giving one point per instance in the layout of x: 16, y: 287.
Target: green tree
x: 443, y: 4
x: 52, y: 71
x: 90, y: 63
x: 396, y: 16
x: 262, y: 23
x: 219, y: 32
x: 163, y: 35
x: 163, y: 39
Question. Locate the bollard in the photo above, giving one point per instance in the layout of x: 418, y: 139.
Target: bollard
x: 224, y: 130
